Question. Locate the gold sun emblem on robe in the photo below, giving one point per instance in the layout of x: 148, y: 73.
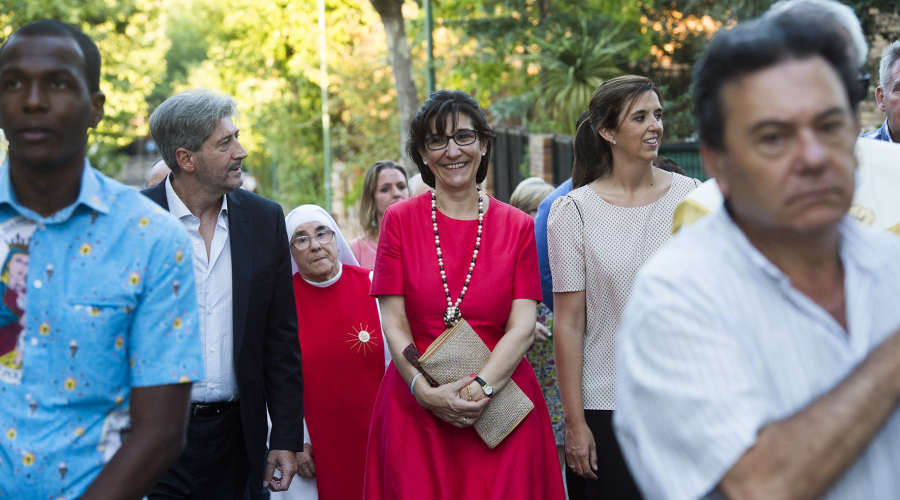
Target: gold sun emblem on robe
x: 363, y: 340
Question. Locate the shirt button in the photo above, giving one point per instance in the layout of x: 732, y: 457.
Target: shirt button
x: 209, y: 311
x: 34, y: 341
x: 42, y: 227
x: 38, y: 283
x: 196, y: 242
x: 212, y: 349
x: 212, y: 386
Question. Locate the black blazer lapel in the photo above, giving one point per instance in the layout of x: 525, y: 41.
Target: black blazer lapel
x: 240, y: 233
x: 158, y: 194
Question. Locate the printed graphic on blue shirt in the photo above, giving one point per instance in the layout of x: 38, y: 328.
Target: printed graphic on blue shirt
x: 15, y: 235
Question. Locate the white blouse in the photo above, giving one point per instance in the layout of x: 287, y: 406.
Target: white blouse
x: 599, y: 248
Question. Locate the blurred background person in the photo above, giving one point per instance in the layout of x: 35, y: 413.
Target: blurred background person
x: 830, y: 15
x: 157, y: 173
x: 667, y: 164
x: 385, y: 184
x: 421, y: 443
x: 343, y: 353
x: 526, y: 197
x: 417, y: 186
x: 599, y: 235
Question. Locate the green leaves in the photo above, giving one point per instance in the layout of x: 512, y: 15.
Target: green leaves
x: 572, y: 68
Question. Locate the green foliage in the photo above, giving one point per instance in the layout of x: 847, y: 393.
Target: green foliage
x: 131, y: 41
x: 264, y: 54
x: 572, y: 68
x: 538, y: 62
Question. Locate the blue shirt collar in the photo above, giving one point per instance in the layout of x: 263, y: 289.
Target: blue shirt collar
x: 91, y: 194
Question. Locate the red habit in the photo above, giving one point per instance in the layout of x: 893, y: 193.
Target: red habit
x: 343, y: 363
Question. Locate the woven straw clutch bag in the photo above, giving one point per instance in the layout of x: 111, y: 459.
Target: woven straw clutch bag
x: 456, y: 354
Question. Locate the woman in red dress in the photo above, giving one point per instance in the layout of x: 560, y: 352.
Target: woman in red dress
x: 343, y: 355
x: 421, y: 443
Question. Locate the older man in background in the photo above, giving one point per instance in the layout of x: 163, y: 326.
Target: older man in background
x: 887, y: 95
x: 760, y: 352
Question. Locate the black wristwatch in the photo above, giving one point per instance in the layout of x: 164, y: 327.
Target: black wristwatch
x: 485, y: 387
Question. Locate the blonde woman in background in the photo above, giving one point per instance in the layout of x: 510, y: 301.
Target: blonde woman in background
x: 384, y: 185
x: 526, y: 197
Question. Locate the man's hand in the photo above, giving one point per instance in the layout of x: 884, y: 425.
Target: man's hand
x: 305, y: 466
x: 286, y: 462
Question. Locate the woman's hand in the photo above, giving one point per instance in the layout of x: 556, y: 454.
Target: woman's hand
x: 472, y: 392
x: 541, y: 333
x: 581, y: 450
x: 305, y: 466
x: 446, y: 403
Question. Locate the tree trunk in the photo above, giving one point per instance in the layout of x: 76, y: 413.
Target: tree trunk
x: 401, y: 63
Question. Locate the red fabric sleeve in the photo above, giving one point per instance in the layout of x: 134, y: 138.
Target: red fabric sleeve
x: 387, y: 277
x: 527, y: 281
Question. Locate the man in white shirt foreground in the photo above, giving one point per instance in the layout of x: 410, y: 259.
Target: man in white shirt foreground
x: 759, y: 355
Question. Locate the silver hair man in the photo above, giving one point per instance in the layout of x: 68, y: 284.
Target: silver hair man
x: 887, y: 95
x: 888, y: 57
x: 188, y: 119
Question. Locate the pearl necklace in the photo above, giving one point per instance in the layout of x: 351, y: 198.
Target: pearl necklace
x: 452, y: 315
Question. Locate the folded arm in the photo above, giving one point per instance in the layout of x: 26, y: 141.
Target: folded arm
x: 802, y: 456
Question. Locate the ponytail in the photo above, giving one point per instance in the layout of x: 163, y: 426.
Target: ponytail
x: 593, y: 156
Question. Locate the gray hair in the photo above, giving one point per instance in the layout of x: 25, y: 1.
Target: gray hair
x: 840, y: 13
x: 888, y: 57
x: 187, y: 120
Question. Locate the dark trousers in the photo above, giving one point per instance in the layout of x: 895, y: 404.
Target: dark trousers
x: 214, y: 464
x: 614, y: 481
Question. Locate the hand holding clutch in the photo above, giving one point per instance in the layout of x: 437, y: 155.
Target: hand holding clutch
x: 456, y: 354
x: 445, y: 403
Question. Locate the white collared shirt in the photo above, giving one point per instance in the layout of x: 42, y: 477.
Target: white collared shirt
x: 715, y: 344
x: 214, y: 297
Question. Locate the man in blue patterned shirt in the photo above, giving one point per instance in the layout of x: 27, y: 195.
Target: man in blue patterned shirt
x: 96, y: 364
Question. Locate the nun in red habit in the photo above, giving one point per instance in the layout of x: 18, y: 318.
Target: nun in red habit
x: 343, y: 349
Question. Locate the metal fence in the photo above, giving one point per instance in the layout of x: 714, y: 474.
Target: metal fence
x: 510, y: 153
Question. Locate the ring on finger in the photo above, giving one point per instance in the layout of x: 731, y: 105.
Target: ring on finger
x: 571, y: 466
x: 466, y: 419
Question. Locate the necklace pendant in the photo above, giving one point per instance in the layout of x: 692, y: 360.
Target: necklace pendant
x: 452, y: 316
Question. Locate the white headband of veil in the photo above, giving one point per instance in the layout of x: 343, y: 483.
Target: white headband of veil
x: 308, y: 213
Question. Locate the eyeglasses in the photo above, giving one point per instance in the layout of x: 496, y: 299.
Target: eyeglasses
x: 302, y: 242
x: 461, y: 138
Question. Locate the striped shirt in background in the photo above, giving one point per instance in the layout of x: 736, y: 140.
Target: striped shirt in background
x: 715, y: 344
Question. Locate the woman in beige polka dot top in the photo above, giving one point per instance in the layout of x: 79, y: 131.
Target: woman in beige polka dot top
x: 599, y: 235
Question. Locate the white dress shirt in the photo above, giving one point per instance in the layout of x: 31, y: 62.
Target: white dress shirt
x: 715, y: 344
x: 214, y: 297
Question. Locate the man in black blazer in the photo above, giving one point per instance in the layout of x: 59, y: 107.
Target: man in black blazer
x: 248, y: 316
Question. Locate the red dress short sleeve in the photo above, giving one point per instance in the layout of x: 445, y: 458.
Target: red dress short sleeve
x: 527, y: 284
x: 387, y: 277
